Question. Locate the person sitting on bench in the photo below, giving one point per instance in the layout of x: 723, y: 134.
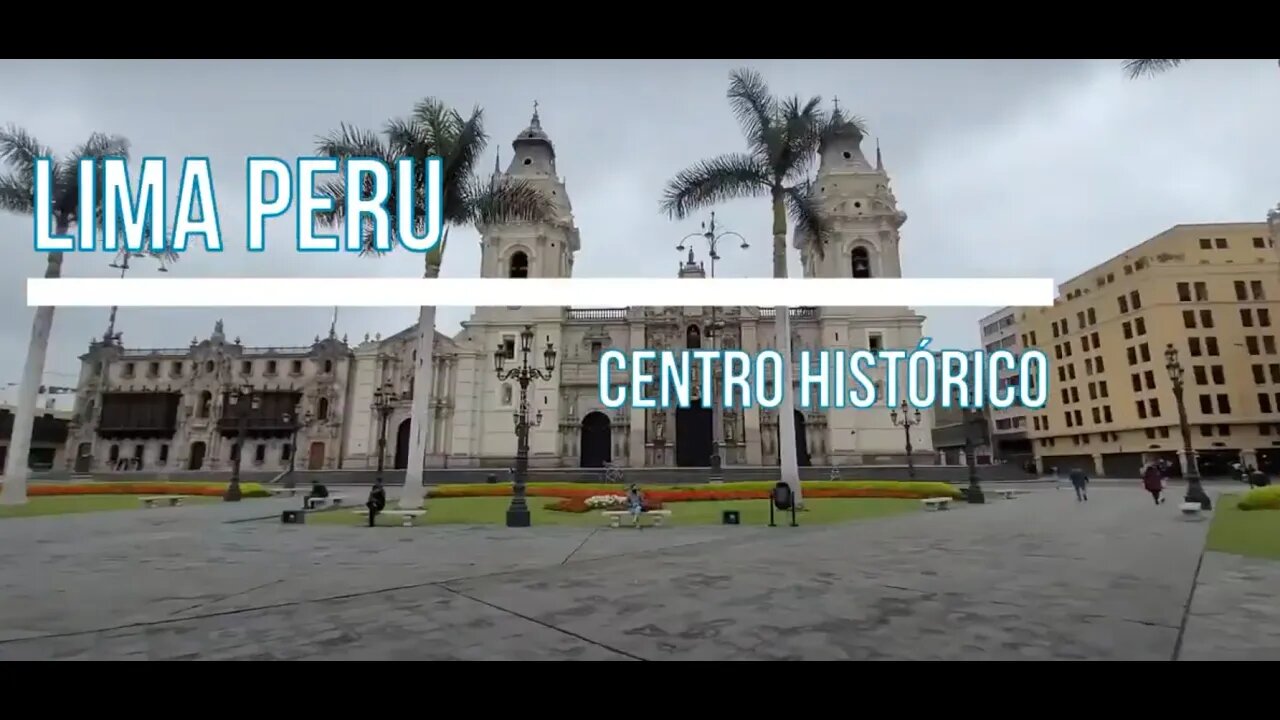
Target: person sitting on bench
x: 317, y: 491
x: 635, y: 503
x: 377, y: 500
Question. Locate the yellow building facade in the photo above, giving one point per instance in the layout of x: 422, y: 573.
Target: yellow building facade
x: 1212, y: 292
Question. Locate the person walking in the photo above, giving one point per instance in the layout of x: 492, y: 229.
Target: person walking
x: 1153, y: 482
x: 377, y: 500
x: 1080, y: 482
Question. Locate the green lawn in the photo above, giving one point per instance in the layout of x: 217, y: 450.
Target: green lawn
x: 492, y: 511
x: 1254, y: 533
x: 66, y: 504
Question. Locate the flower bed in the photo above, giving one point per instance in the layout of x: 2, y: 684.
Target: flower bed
x: 581, y: 497
x: 1263, y: 498
x: 249, y: 490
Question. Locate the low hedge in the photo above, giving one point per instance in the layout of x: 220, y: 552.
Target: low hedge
x: 249, y: 490
x: 574, y: 495
x: 1263, y: 498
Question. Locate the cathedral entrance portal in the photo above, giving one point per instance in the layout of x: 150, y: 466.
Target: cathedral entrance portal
x: 596, y: 440
x: 693, y: 437
x: 402, y: 445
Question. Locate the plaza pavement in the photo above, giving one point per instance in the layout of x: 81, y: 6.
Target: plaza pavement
x: 1038, y: 577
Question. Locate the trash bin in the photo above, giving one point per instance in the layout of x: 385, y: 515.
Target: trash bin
x: 730, y: 517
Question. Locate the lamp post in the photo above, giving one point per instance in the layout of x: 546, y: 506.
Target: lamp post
x: 1195, y: 491
x: 121, y: 263
x: 908, y: 421
x: 295, y: 422
x: 383, y: 398
x: 713, y: 237
x: 976, y: 495
x: 243, y: 399
x: 518, y: 511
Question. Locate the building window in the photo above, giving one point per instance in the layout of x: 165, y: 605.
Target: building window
x: 1189, y: 319
x: 260, y: 454
x: 1251, y: 344
x: 1184, y: 292
x: 1264, y: 403
x: 164, y: 454
x: 1240, y: 290
x: 1264, y: 317
x: 328, y: 366
x: 1150, y: 378
x: 1206, y: 318
x: 509, y: 346
x: 113, y: 454
x: 1106, y: 413
x: 1206, y: 404
x: 1140, y: 326
x: 322, y: 409
x: 1206, y: 244
x: 1255, y: 288
x: 1201, y: 377
x: 271, y: 367
x: 1202, y: 292
x: 246, y: 367
x: 1135, y: 300
x: 1259, y: 375
x: 1102, y: 388
x: 206, y: 403
x: 1258, y: 243
x: 1246, y: 317
x: 1219, y: 377
x: 1211, y: 345
x: 286, y: 451
x: 1154, y: 404
x: 1142, y: 410
x: 1220, y: 243
x: 1224, y: 405
x: 518, y: 266
x: 295, y: 367
x: 1124, y: 304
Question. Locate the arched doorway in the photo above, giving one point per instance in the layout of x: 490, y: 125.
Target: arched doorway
x: 596, y: 440
x: 196, y: 460
x: 315, y: 458
x: 402, y: 445
x: 802, y: 445
x: 693, y: 437
x: 84, y: 457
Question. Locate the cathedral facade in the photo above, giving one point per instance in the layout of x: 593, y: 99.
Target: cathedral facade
x: 173, y: 409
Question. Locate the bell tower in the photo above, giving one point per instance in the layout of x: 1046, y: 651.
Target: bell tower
x: 524, y: 249
x: 859, y: 203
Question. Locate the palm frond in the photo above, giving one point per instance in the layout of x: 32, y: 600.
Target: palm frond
x: 715, y: 180
x: 442, y: 123
x: 492, y: 203
x: 752, y: 104
x: 19, y: 150
x: 406, y: 137
x: 805, y: 210
x: 459, y: 166
x: 805, y: 122
x: 349, y: 141
x: 66, y: 173
x: 335, y: 190
x: 17, y: 194
x: 1139, y: 68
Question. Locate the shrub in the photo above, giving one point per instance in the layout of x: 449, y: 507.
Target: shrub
x: 249, y: 490
x: 1263, y: 498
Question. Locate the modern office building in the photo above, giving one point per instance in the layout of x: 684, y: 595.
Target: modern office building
x: 1208, y: 292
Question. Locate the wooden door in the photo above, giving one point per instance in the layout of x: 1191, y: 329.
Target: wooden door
x: 315, y: 459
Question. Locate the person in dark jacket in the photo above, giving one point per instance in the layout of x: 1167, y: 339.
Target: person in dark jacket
x: 1080, y: 482
x: 377, y: 500
x: 1153, y: 482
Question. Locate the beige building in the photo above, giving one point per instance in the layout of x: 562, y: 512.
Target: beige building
x: 1211, y: 292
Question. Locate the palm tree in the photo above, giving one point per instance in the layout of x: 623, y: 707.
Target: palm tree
x: 434, y: 129
x: 18, y: 153
x: 1139, y: 68
x: 783, y: 136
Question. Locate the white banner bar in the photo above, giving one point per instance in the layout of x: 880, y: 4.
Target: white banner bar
x: 489, y: 292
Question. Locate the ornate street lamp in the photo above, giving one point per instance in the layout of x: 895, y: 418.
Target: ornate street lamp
x: 524, y: 374
x: 383, y: 398
x: 1195, y: 491
x: 245, y: 401
x: 714, y: 328
x: 908, y: 421
x: 295, y: 422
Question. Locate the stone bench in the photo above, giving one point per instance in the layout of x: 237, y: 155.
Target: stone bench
x: 153, y: 500
x: 407, y: 517
x: 283, y: 492
x: 936, y: 503
x: 315, y: 503
x: 1009, y: 494
x: 1191, y: 509
x: 615, y: 516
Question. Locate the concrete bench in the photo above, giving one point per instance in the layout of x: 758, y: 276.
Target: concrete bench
x: 283, y: 492
x: 936, y: 503
x: 153, y: 500
x: 1009, y: 494
x: 616, y: 516
x: 315, y: 503
x: 407, y: 517
x: 1190, y: 509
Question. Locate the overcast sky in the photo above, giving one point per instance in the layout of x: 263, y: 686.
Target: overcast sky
x: 1029, y: 168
